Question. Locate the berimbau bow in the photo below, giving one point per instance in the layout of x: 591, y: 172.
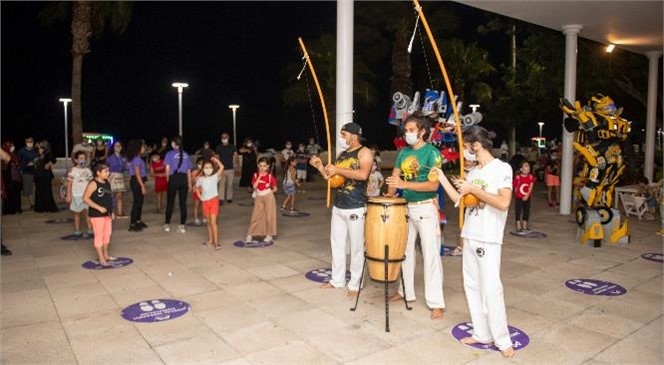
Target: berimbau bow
x: 322, y: 102
x: 448, y: 86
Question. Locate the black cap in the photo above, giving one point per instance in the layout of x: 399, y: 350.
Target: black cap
x: 353, y: 128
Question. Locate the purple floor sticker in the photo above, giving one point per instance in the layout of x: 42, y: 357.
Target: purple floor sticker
x: 252, y: 244
x: 76, y: 237
x: 447, y: 250
x: 114, y: 264
x: 529, y: 234
x: 156, y: 310
x: 322, y: 275
x: 595, y: 287
x: 60, y: 220
x: 295, y: 214
x: 657, y: 257
x: 519, y: 338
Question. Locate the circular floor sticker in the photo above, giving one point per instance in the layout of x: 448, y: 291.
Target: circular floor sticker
x: 447, y: 250
x: 114, y: 264
x: 595, y: 287
x: 156, y: 310
x: 252, y: 244
x: 76, y: 237
x: 295, y: 214
x: 519, y: 338
x: 323, y: 275
x: 60, y: 220
x: 529, y: 234
x: 657, y: 257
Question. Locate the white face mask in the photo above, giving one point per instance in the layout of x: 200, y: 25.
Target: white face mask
x: 343, y: 143
x: 224, y: 140
x: 174, y: 146
x: 29, y: 145
x: 289, y: 146
x: 207, y: 172
x: 469, y: 156
x: 12, y: 148
x: 249, y: 144
x: 411, y: 138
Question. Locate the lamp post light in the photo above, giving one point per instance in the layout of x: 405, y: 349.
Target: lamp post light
x: 66, y: 101
x: 541, y: 124
x: 474, y: 107
x: 234, y: 107
x: 180, y: 86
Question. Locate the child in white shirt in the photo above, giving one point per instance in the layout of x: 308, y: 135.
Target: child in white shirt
x: 77, y: 180
x: 207, y: 191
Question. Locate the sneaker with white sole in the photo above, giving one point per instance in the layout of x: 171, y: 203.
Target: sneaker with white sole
x: 268, y: 239
x: 167, y: 228
x: 197, y: 222
x: 182, y: 229
x: 248, y: 239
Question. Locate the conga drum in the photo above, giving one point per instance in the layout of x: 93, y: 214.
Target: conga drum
x: 386, y: 223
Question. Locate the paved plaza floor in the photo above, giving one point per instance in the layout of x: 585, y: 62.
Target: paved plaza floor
x: 255, y: 305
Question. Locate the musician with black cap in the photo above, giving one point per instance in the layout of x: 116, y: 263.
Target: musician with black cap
x: 349, y: 175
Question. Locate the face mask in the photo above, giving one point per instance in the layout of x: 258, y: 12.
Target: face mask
x: 12, y: 148
x: 175, y: 146
x: 224, y: 140
x: 249, y: 144
x: 343, y: 143
x: 289, y: 146
x: 207, y: 172
x: 164, y: 144
x: 81, y: 163
x: 301, y: 149
x: 206, y: 147
x: 469, y: 156
x: 411, y: 138
x: 199, y: 167
x: 155, y: 159
x: 29, y: 145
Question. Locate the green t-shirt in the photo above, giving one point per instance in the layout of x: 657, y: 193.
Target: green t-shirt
x: 415, y: 166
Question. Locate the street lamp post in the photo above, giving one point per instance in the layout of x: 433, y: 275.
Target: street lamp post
x: 180, y: 86
x: 541, y: 124
x: 66, y: 101
x: 234, y: 107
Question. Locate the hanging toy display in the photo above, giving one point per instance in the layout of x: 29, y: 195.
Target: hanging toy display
x: 436, y: 105
x: 600, y: 132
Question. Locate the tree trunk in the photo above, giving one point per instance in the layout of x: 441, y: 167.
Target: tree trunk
x: 512, y: 139
x: 81, y: 31
x: 401, y: 66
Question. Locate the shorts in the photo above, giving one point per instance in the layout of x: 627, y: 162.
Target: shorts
x: 289, y: 189
x: 552, y: 180
x: 300, y: 174
x: 211, y: 207
x: 102, y: 227
x: 77, y: 204
x: 117, y: 182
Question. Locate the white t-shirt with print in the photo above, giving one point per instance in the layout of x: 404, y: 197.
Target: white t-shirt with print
x: 208, y: 185
x: 484, y: 222
x: 79, y: 176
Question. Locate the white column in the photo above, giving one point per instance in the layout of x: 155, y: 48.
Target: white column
x: 648, y: 170
x: 344, y: 96
x: 567, y: 168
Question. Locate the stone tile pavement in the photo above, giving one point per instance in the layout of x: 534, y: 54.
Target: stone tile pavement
x: 255, y: 306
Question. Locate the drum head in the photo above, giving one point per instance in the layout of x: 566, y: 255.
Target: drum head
x: 383, y: 200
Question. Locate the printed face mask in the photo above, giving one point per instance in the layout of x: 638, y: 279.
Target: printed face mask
x: 411, y: 138
x: 81, y: 163
x: 207, y: 171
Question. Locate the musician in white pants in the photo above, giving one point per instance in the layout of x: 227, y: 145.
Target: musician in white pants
x: 482, y: 234
x: 350, y: 202
x: 415, y: 162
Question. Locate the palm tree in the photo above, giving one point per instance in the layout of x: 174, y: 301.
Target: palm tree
x: 88, y: 19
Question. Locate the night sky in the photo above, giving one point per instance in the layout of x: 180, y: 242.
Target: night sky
x: 228, y: 52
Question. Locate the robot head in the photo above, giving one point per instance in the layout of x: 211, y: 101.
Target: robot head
x: 604, y: 105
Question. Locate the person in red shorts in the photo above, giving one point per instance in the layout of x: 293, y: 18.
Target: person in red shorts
x: 206, y: 190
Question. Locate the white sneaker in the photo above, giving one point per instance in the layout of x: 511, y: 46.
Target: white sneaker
x: 267, y: 239
x: 204, y: 221
x: 181, y: 229
x: 248, y: 239
x: 167, y: 228
x: 197, y: 222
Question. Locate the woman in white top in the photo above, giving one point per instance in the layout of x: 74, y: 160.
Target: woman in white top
x: 482, y: 234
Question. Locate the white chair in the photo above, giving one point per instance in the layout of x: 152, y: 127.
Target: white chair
x: 633, y: 204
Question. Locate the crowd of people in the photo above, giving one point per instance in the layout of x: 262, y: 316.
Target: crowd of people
x: 96, y: 184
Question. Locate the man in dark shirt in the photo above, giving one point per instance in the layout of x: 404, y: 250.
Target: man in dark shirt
x: 227, y: 154
x: 27, y: 156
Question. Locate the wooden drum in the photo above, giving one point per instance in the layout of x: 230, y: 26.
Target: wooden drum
x: 386, y: 223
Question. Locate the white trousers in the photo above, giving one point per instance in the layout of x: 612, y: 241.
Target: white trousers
x: 423, y: 220
x: 484, y: 292
x: 347, y: 225
x: 225, y: 185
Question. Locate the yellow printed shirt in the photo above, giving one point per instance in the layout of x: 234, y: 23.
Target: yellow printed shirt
x: 415, y: 166
x: 352, y: 194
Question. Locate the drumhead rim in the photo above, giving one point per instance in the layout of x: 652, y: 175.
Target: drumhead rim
x: 385, y: 201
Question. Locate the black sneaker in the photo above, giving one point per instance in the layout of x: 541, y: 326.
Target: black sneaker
x: 141, y: 224
x: 5, y: 251
x: 229, y: 201
x: 135, y: 228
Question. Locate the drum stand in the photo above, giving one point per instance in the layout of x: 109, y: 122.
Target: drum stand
x: 386, y: 260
